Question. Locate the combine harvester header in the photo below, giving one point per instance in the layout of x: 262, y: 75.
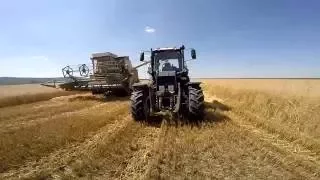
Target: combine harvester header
x: 107, y: 73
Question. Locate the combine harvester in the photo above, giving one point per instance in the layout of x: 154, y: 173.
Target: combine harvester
x: 108, y: 74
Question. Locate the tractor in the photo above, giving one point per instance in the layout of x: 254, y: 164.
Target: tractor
x: 169, y: 88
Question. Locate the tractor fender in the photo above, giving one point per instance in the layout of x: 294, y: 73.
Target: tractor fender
x: 140, y: 86
x: 195, y: 85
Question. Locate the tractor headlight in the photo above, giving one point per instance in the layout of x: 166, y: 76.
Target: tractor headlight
x: 171, y: 88
x: 161, y: 88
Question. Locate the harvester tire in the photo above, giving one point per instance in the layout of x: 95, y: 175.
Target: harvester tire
x: 139, y: 106
x: 196, y: 104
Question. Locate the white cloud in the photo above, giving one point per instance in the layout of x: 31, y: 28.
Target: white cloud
x: 149, y: 29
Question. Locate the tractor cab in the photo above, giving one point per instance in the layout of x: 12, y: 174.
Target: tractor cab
x: 168, y: 60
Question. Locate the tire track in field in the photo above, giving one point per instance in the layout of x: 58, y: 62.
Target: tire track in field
x: 51, y: 107
x: 38, y: 141
x: 67, y: 153
x: 293, y: 154
x: 28, y: 121
x: 221, y: 148
x: 300, y: 142
x: 83, y: 103
x: 38, y: 110
x: 110, y: 153
x: 296, y: 155
x: 121, y: 153
x: 155, y: 153
x: 57, y: 163
x: 227, y: 144
x: 137, y: 164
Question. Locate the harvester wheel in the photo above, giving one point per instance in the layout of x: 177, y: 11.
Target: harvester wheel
x: 196, y: 104
x: 139, y: 106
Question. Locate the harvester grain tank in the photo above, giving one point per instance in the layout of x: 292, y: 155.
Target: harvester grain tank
x: 112, y: 73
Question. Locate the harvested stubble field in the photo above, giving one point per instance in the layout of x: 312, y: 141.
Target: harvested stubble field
x: 253, y: 129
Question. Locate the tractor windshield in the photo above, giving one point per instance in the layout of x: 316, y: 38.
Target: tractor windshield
x: 168, y: 61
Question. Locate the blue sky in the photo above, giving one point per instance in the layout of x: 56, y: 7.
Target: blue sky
x: 233, y: 38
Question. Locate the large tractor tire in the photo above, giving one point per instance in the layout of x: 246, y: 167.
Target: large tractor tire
x: 139, y: 106
x: 196, y: 104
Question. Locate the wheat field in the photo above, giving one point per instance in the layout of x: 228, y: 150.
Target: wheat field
x: 253, y: 129
x: 11, y: 95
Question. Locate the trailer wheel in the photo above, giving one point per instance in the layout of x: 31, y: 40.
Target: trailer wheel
x: 139, y: 106
x: 196, y: 104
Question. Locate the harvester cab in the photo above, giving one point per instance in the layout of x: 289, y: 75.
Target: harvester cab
x: 169, y: 88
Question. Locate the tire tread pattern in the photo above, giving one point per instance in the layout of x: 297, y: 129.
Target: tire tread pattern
x: 137, y: 106
x: 196, y: 103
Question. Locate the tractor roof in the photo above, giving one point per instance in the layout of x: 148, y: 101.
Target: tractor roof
x: 168, y: 49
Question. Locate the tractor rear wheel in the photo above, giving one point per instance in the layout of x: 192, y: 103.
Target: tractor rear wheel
x: 196, y: 104
x: 139, y: 106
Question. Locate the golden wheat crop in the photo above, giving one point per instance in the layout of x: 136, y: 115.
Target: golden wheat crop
x: 253, y: 129
x: 22, y: 94
x: 17, y: 90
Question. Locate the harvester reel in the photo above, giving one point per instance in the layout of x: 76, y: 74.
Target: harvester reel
x: 84, y: 70
x: 67, y: 71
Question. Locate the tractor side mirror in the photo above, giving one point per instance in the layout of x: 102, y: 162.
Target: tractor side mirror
x: 193, y: 54
x: 142, y: 56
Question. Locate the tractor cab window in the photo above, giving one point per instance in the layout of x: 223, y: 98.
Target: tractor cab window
x: 169, y: 65
x: 168, y: 61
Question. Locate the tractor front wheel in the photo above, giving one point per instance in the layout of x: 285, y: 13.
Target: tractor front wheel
x: 139, y: 106
x: 196, y: 104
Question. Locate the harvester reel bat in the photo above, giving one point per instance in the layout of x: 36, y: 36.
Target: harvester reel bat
x: 84, y: 70
x: 67, y: 71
